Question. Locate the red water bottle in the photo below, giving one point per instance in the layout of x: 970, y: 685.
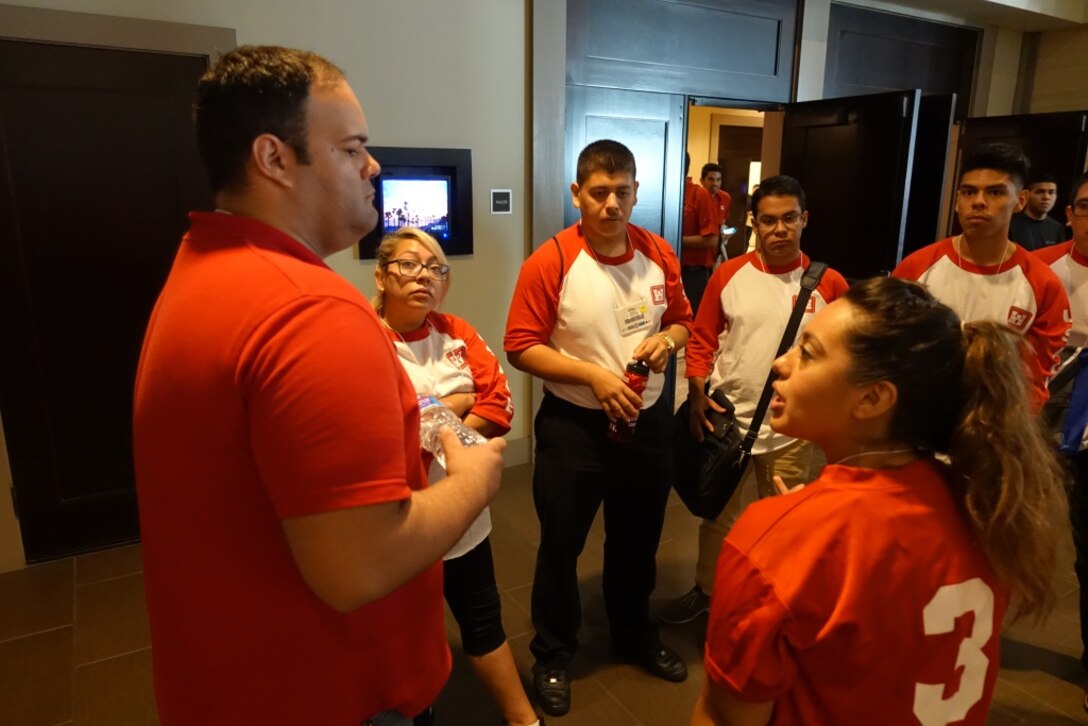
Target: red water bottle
x: 621, y: 430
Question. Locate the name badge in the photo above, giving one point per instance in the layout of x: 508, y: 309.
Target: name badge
x: 633, y: 318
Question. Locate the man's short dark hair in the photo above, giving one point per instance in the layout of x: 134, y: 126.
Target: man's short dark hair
x: 1041, y: 179
x: 709, y: 167
x: 605, y: 155
x: 999, y: 157
x: 778, y: 186
x: 255, y: 90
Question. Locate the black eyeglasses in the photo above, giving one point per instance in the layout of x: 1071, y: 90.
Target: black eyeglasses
x: 411, y: 268
x: 1080, y: 209
x: 768, y: 222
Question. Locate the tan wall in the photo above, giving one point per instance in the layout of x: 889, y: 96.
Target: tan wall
x: 428, y: 73
x: 1060, y: 82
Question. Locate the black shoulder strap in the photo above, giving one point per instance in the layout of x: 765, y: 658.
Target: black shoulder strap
x: 809, y: 282
x: 562, y: 264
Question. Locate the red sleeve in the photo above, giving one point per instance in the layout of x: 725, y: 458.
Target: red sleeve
x: 1049, y: 332
x: 492, y: 392
x: 832, y: 285
x: 1053, y: 253
x: 710, y: 321
x: 678, y: 311
x: 535, y: 305
x: 747, y: 652
x: 915, y: 264
x: 323, y: 390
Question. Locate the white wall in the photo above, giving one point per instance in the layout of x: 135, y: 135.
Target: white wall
x: 428, y: 73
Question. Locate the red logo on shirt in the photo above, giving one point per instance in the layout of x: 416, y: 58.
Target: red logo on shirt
x: 458, y: 356
x: 810, y: 308
x: 1018, y: 318
x: 657, y: 294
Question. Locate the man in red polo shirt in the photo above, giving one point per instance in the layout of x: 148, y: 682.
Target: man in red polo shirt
x: 720, y: 201
x: 699, y: 239
x: 291, y: 549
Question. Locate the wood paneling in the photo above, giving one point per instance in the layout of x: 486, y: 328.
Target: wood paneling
x: 1061, y: 72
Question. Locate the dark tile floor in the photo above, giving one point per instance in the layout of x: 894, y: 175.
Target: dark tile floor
x: 74, y: 643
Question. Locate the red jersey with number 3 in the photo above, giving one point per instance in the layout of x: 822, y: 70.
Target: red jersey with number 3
x: 862, y: 598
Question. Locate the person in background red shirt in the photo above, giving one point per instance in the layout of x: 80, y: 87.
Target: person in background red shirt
x: 720, y: 201
x: 876, y: 593
x: 699, y: 238
x: 291, y: 544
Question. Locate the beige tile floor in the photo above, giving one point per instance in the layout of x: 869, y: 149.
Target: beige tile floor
x: 74, y: 645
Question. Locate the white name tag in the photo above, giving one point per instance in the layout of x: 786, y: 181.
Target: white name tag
x: 633, y: 318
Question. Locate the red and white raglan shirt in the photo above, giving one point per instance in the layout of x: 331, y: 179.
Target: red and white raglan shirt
x: 1071, y: 267
x: 594, y: 308
x: 734, y: 342
x: 445, y: 356
x: 1022, y: 291
x: 861, y: 599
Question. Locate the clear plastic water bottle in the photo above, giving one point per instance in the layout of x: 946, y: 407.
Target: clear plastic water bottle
x: 433, y: 415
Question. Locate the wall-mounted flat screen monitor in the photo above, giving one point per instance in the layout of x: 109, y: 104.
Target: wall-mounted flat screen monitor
x: 430, y: 189
x: 418, y: 200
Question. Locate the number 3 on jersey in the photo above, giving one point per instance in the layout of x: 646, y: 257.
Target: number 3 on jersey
x: 951, y: 602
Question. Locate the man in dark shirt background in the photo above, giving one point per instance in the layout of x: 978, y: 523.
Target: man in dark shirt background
x: 1032, y: 228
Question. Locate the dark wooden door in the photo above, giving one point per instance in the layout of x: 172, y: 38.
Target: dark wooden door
x: 854, y: 157
x: 927, y: 181
x: 98, y: 168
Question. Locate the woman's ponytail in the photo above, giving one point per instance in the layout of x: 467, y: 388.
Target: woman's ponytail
x: 963, y: 391
x: 1007, y: 474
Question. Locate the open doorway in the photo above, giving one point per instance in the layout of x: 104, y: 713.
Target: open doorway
x: 747, y: 144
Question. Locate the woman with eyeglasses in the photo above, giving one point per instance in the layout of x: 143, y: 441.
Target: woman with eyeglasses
x: 445, y: 357
x: 876, y: 593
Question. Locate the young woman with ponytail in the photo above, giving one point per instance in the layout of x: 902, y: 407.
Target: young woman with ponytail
x: 876, y: 593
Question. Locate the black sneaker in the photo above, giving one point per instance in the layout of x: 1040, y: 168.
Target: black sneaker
x: 552, y: 688
x: 685, y: 608
x: 660, y: 660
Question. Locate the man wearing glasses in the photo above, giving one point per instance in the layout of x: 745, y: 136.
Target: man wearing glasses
x: 737, y: 331
x: 983, y: 275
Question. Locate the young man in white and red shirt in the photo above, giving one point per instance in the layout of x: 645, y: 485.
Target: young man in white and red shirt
x: 737, y: 332
x: 1069, y: 261
x: 983, y: 275
x: 596, y: 296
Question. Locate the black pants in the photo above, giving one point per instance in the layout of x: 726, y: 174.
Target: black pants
x: 695, y: 278
x: 577, y: 470
x: 473, y: 597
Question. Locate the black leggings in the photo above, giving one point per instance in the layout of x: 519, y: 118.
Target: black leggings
x: 473, y: 598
